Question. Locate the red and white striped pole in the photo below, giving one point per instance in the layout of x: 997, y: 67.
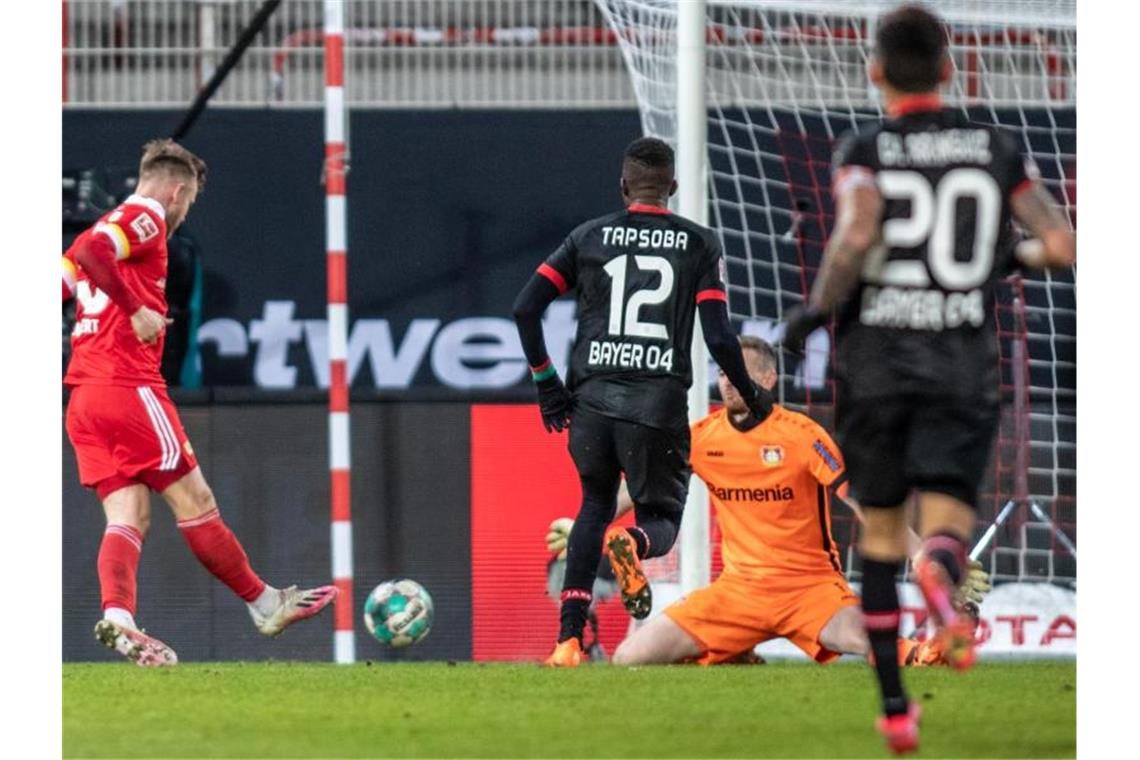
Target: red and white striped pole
x: 336, y: 246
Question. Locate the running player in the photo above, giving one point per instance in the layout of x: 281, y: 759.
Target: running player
x: 640, y: 275
x: 772, y: 486
x: 126, y: 433
x: 921, y: 202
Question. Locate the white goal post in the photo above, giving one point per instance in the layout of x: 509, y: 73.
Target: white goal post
x: 692, y: 173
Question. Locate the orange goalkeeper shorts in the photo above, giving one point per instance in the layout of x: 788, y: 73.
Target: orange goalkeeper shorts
x: 734, y: 614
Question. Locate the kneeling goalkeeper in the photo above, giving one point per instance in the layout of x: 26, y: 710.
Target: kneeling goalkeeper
x: 772, y: 485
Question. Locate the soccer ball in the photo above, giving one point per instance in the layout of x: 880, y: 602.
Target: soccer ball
x: 399, y: 613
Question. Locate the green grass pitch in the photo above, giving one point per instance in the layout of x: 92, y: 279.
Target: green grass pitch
x: 1017, y: 709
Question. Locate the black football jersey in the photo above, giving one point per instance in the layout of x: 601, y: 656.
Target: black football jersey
x: 922, y: 319
x: 639, y: 275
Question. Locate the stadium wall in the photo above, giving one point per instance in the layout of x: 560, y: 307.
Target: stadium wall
x: 456, y: 496
x: 267, y: 465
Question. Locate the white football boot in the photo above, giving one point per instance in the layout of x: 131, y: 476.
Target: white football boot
x: 141, y: 649
x: 294, y: 604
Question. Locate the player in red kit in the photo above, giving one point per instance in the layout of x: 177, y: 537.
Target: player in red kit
x: 126, y: 433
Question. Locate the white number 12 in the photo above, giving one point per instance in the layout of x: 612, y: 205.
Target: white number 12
x: 616, y: 269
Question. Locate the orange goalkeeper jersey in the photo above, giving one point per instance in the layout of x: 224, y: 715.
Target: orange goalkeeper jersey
x: 770, y: 486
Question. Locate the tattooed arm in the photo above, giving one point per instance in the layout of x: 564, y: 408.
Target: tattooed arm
x: 1054, y: 245
x: 857, y: 228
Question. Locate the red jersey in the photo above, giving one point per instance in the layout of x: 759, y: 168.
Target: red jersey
x: 104, y: 347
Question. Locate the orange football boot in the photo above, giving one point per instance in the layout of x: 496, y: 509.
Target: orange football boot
x: 566, y: 654
x: 955, y: 630
x: 635, y: 592
x: 929, y: 653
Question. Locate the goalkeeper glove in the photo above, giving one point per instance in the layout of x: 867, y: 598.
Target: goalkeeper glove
x: 558, y: 538
x: 974, y: 586
x: 554, y: 403
x: 802, y: 322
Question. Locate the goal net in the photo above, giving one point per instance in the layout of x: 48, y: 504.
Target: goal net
x: 784, y: 80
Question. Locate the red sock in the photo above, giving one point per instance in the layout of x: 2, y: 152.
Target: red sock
x: 118, y: 566
x: 216, y: 547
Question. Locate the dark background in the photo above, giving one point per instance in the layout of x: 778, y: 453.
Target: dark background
x: 268, y: 467
x: 449, y: 212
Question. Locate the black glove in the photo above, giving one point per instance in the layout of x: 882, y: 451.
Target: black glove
x: 802, y: 321
x: 760, y: 404
x: 554, y: 403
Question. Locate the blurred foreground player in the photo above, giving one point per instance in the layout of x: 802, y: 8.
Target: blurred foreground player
x: 126, y: 433
x: 772, y: 486
x: 640, y: 276
x: 911, y: 266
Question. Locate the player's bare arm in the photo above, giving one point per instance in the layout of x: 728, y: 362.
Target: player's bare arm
x: 857, y: 228
x: 859, y: 207
x: 1054, y: 246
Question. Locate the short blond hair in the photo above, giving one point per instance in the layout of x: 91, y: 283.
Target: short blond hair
x: 761, y: 347
x: 169, y: 157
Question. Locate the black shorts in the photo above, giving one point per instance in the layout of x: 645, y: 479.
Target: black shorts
x: 655, y: 461
x: 895, y: 445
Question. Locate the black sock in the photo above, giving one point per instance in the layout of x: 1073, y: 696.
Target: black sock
x: 949, y: 551
x: 584, y: 550
x: 640, y: 539
x: 655, y: 535
x: 881, y: 619
x: 575, y: 610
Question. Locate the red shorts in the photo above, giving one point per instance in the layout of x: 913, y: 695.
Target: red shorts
x: 124, y: 436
